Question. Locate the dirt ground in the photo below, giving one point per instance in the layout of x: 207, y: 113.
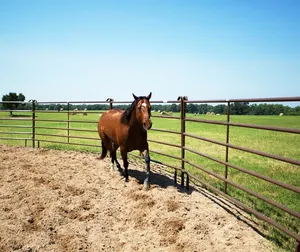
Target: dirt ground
x: 71, y: 201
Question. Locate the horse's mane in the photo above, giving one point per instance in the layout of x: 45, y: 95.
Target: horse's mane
x: 125, y: 118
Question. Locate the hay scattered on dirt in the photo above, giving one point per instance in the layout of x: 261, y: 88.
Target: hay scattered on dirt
x: 71, y: 201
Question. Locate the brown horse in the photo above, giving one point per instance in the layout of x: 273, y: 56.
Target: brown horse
x: 127, y: 130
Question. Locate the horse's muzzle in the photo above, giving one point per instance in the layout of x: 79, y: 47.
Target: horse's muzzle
x: 147, y: 125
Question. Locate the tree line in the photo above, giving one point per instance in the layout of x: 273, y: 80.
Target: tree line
x: 236, y: 108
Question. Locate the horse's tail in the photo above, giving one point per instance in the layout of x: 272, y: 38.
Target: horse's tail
x: 104, y: 151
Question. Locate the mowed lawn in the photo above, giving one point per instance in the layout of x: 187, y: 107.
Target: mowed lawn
x: 278, y: 143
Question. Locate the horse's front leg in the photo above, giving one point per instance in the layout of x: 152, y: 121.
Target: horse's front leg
x: 125, y: 163
x: 147, y: 161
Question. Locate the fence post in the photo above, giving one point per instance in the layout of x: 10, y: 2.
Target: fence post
x: 110, y: 100
x: 182, y: 131
x: 68, y: 122
x: 33, y: 123
x: 227, y: 141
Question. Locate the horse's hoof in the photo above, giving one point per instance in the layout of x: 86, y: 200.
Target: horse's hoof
x: 146, y: 185
x: 126, y: 180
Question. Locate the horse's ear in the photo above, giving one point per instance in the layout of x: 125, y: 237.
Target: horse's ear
x: 135, y: 97
x: 149, y: 96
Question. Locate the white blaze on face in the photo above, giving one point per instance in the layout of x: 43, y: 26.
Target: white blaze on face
x: 144, y: 104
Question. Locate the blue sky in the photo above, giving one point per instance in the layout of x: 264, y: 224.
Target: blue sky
x: 91, y: 50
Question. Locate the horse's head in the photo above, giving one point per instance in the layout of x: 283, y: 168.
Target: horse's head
x: 143, y: 110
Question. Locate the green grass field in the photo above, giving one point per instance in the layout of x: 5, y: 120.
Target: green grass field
x: 282, y: 144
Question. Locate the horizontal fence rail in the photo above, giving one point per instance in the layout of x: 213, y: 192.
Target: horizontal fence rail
x: 63, y: 125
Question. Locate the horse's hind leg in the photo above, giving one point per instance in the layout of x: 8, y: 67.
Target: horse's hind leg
x: 113, y: 155
x: 104, y: 150
x: 112, y: 164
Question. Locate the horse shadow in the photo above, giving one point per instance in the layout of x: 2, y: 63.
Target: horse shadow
x: 158, y: 179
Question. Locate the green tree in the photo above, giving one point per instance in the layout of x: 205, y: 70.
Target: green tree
x: 175, y: 107
x: 240, y: 108
x: 295, y: 111
x: 220, y: 109
x: 204, y: 108
x: 191, y: 108
x: 12, y: 97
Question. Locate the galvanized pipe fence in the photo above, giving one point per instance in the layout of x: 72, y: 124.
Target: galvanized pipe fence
x: 31, y: 128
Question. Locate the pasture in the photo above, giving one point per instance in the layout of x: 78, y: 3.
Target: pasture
x: 283, y: 144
